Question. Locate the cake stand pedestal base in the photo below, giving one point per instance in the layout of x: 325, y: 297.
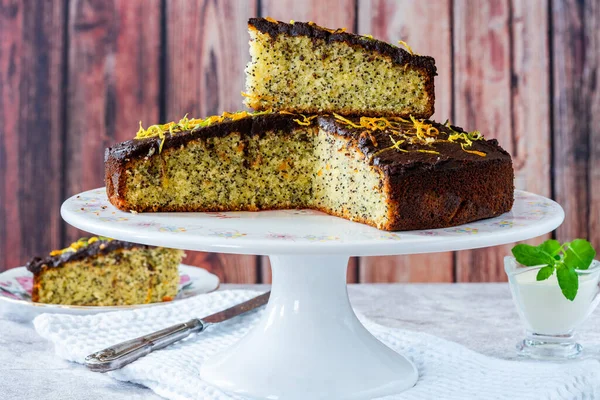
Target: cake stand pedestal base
x: 309, y: 343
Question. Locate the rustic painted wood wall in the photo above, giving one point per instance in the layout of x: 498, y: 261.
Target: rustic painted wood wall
x: 77, y: 75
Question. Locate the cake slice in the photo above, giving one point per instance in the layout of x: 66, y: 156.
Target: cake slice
x: 304, y: 68
x: 429, y: 175
x: 391, y: 173
x: 99, y: 271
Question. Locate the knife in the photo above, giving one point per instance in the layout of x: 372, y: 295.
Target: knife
x: 121, y: 354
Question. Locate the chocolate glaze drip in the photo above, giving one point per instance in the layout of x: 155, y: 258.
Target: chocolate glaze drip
x: 99, y: 247
x: 398, y: 55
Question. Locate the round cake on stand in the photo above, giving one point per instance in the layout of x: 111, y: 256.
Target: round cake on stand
x: 309, y: 343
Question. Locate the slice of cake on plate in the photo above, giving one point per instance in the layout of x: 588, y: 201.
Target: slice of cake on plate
x: 301, y: 67
x: 99, y: 271
x: 392, y: 173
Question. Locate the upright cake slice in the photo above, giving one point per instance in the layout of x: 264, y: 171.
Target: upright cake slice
x: 98, y: 271
x: 392, y: 173
x: 301, y: 67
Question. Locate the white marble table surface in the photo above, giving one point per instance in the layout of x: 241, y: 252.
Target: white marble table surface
x: 479, y: 316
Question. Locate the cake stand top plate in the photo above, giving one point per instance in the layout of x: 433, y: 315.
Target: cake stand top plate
x: 303, y: 231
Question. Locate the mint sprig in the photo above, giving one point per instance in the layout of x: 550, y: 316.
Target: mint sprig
x: 565, y: 259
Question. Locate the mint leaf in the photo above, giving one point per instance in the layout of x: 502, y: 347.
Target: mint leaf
x: 568, y: 281
x: 545, y: 273
x: 579, y: 254
x: 531, y: 256
x: 551, y: 246
x: 565, y: 259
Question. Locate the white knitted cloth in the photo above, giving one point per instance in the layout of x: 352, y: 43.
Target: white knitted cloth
x: 446, y: 369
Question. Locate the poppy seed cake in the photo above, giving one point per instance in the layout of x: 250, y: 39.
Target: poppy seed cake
x: 391, y: 173
x: 99, y: 271
x: 301, y: 67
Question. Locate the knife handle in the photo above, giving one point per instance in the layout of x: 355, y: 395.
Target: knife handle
x: 119, y: 355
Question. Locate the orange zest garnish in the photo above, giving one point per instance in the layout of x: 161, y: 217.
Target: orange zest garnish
x: 479, y: 153
x: 396, y: 145
x: 306, y: 121
x: 79, y: 244
x: 423, y: 133
x: 432, y: 131
x: 410, y: 50
x: 257, y: 97
x: 345, y: 120
x: 339, y: 30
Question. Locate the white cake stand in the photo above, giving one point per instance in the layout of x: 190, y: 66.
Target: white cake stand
x: 309, y: 343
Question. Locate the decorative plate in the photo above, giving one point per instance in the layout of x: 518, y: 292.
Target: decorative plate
x: 16, y: 285
x: 285, y: 232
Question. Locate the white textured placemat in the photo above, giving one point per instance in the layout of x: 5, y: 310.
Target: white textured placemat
x: 446, y: 370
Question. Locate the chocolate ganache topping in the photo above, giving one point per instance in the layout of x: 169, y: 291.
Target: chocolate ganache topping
x: 83, y: 248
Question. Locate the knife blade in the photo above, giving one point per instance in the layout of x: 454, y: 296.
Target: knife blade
x: 119, y: 355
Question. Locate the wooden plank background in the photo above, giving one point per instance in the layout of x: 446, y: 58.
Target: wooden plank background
x: 408, y: 20
x: 77, y: 75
